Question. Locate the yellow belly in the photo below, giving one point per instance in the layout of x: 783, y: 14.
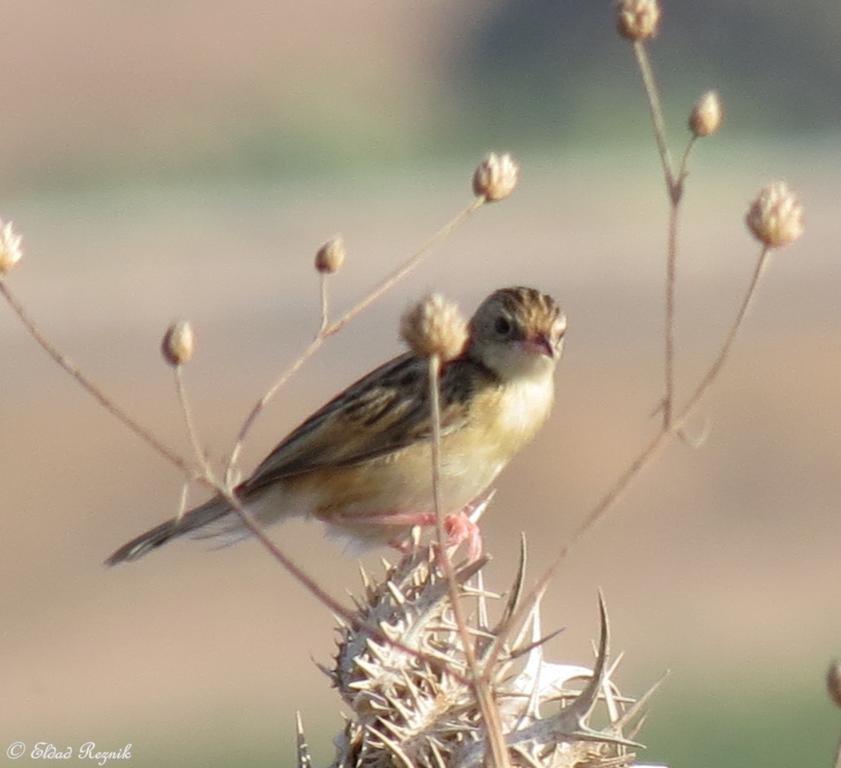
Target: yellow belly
x: 502, y: 420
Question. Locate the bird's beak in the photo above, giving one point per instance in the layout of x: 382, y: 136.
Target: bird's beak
x: 539, y: 344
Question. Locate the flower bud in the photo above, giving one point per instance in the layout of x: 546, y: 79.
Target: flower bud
x: 330, y: 256
x: 833, y: 682
x: 705, y: 117
x: 495, y: 177
x: 434, y: 327
x: 637, y: 19
x: 775, y: 217
x: 178, y: 343
x: 10, y: 252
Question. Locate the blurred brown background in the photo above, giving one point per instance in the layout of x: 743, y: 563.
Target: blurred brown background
x: 185, y: 159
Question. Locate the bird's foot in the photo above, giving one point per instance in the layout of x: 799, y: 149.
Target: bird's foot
x: 460, y: 528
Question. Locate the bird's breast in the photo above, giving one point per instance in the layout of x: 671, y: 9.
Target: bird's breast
x: 502, y: 420
x: 521, y: 408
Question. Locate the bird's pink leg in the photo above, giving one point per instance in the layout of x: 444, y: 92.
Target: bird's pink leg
x: 461, y: 528
x: 458, y: 526
x: 404, y: 520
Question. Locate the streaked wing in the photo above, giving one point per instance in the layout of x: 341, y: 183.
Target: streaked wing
x: 381, y: 413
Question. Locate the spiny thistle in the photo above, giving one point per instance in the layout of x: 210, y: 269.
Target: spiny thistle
x: 419, y: 709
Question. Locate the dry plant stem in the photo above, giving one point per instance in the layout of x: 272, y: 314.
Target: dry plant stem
x: 669, y: 335
x: 190, y: 423
x: 324, y: 302
x: 329, y: 329
x: 674, y: 188
x: 314, y: 588
x: 683, y: 170
x: 653, y: 94
x: 260, y: 405
x: 182, y: 504
x: 92, y: 389
x: 714, y: 370
x: 640, y: 462
x: 395, y: 277
x: 482, y: 687
x: 675, y: 197
x: 304, y: 578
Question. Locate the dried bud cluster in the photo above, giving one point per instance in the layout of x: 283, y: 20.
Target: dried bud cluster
x: 706, y: 116
x: 637, y: 19
x: 833, y: 682
x: 775, y: 217
x: 10, y: 252
x: 178, y: 343
x: 434, y: 327
x: 416, y: 709
x: 330, y: 256
x: 495, y: 177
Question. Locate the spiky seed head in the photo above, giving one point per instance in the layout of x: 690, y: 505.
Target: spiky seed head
x: 178, y: 343
x: 10, y: 252
x: 707, y: 114
x: 330, y: 257
x: 637, y: 19
x: 413, y: 705
x: 495, y: 177
x: 833, y: 681
x: 775, y: 217
x: 434, y: 327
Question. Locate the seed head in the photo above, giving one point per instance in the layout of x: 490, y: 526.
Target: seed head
x: 10, y: 252
x: 330, y: 256
x: 705, y: 117
x: 495, y: 177
x: 637, y: 19
x: 775, y: 217
x: 833, y: 682
x: 434, y: 326
x: 415, y: 705
x: 178, y: 343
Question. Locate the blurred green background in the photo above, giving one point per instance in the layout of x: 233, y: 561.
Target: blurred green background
x: 186, y: 159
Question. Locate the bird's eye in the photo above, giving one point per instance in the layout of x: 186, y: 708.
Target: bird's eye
x: 502, y: 326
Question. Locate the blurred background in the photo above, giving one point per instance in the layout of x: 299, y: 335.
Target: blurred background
x: 186, y: 159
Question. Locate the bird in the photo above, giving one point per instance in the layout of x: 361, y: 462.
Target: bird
x: 362, y: 463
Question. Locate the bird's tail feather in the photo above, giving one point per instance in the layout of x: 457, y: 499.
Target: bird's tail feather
x: 155, y: 537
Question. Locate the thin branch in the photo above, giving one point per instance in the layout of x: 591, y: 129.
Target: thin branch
x: 304, y: 578
x: 93, y: 389
x: 481, y: 686
x: 324, y: 302
x: 182, y: 504
x: 190, y: 424
x: 260, y: 405
x: 326, y: 330
x: 395, y: 277
x: 675, y: 198
x: 683, y: 169
x: 318, y: 592
x: 656, y: 110
x: 674, y: 188
x: 715, y: 369
x: 669, y: 334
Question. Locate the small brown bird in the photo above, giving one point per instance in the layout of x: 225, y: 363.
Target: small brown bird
x: 362, y: 463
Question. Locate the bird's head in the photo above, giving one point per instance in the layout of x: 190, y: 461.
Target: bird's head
x: 517, y: 332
